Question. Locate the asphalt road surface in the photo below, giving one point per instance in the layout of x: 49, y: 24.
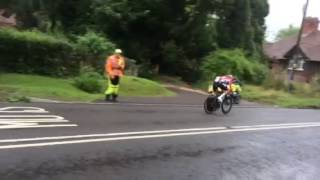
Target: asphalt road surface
x: 150, y: 139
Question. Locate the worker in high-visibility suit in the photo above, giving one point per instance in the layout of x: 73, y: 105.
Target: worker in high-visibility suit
x: 236, y: 86
x: 114, y: 69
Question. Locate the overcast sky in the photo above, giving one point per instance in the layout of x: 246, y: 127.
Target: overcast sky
x: 286, y: 12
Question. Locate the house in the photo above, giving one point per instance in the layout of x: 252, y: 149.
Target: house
x: 282, y: 53
x: 7, y: 21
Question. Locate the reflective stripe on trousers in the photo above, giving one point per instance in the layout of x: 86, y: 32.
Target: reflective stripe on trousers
x: 113, y: 86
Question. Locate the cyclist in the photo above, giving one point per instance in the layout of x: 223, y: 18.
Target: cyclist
x: 222, y: 83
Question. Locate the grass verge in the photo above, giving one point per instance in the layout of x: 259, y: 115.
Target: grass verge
x: 280, y: 98
x: 63, y: 89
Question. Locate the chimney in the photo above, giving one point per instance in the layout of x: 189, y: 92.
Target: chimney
x: 310, y: 25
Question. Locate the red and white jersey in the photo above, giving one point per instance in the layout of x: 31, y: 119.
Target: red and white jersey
x: 225, y: 79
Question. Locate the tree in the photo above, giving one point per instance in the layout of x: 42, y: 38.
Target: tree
x: 71, y: 14
x: 172, y: 35
x: 260, y: 10
x: 287, y: 32
x: 241, y: 24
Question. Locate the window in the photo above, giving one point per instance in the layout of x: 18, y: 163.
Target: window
x: 296, y: 63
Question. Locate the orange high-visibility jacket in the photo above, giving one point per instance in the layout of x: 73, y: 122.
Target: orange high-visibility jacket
x: 115, y: 65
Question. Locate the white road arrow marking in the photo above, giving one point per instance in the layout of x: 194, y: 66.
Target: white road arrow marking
x: 22, y: 110
x: 30, y: 121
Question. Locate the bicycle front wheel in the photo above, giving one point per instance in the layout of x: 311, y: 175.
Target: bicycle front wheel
x: 226, y: 105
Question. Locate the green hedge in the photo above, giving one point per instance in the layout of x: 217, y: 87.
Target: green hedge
x: 36, y: 52
x: 233, y: 62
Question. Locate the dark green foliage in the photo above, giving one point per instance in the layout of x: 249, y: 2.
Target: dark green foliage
x: 147, y: 71
x: 173, y: 35
x: 96, y: 48
x: 223, y: 62
x: 88, y: 81
x: 35, y: 52
x: 242, y: 24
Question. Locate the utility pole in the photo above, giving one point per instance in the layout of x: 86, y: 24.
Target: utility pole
x: 297, y: 48
x: 305, y: 10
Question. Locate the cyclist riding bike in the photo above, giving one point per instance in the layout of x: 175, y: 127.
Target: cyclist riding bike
x: 222, y: 84
x: 220, y: 95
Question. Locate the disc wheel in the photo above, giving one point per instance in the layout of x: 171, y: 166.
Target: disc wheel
x: 210, y: 105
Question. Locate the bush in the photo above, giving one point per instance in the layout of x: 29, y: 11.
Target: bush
x: 233, y: 62
x: 18, y: 98
x: 260, y: 72
x: 96, y: 48
x: 36, y: 52
x: 88, y: 81
x: 95, y: 44
x: 315, y: 84
x: 275, y: 82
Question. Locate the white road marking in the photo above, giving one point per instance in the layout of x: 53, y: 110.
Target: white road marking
x: 32, y: 116
x: 22, y: 110
x: 30, y: 121
x: 109, y: 134
x: 26, y: 126
x: 43, y: 144
x: 272, y: 125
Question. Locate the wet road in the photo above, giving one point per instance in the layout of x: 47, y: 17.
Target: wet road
x: 148, y: 141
